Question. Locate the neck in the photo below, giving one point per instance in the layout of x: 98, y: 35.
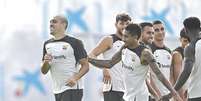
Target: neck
x: 59, y: 36
x: 159, y: 43
x: 134, y: 45
x: 119, y: 35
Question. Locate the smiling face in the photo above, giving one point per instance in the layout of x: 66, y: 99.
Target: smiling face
x: 129, y: 39
x: 147, y: 34
x: 159, y: 32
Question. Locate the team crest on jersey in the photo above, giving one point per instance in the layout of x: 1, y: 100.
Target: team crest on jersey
x: 64, y: 47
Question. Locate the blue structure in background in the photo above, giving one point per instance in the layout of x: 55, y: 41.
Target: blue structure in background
x: 1, y: 83
x: 45, y: 10
x: 75, y: 18
x: 31, y: 80
x: 99, y: 16
x: 161, y: 16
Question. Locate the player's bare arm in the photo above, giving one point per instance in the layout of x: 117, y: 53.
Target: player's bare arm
x: 106, y: 63
x: 148, y: 58
x: 101, y: 47
x: 152, y: 90
x: 83, y: 70
x: 153, y: 84
x: 189, y: 59
x: 176, y: 69
x: 45, y: 64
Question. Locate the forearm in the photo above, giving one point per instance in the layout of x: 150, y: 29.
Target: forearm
x: 177, y: 71
x: 153, y: 85
x: 181, y: 93
x: 161, y: 77
x: 100, y: 63
x: 184, y: 75
x: 83, y: 70
x: 45, y: 67
x: 151, y: 89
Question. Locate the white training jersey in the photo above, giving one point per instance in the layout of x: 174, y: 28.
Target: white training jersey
x: 194, y: 89
x: 66, y: 54
x: 116, y: 72
x: 163, y: 58
x: 135, y: 74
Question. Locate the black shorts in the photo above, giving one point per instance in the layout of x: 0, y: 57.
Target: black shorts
x: 195, y: 99
x: 113, y: 96
x: 70, y: 95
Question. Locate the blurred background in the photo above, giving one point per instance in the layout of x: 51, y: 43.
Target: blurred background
x: 24, y: 26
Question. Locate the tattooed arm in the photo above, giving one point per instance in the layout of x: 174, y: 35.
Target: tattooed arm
x: 149, y: 58
x: 106, y: 63
x: 189, y: 59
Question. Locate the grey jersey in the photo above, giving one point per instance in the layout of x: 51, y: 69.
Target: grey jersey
x: 116, y: 72
x: 66, y: 54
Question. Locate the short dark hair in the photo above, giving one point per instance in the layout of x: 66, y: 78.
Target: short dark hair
x: 183, y: 34
x: 157, y: 22
x: 123, y: 17
x: 192, y: 23
x: 144, y: 24
x: 133, y: 29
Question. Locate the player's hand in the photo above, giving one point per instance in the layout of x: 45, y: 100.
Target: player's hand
x: 177, y: 97
x: 106, y: 76
x: 48, y: 58
x: 71, y: 82
x: 157, y: 97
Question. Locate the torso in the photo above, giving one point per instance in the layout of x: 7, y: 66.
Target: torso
x: 66, y: 54
x: 163, y: 58
x: 135, y: 74
x: 116, y: 72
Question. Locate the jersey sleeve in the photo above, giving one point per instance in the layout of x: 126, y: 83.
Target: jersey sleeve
x: 79, y: 51
x: 44, y: 51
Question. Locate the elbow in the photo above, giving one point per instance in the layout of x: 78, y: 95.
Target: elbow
x: 87, y: 69
x: 86, y: 66
x: 43, y: 71
x: 110, y: 64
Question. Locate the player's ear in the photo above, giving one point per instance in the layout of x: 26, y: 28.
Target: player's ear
x: 115, y: 24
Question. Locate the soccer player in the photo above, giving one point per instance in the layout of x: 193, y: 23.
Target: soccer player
x: 62, y: 55
x: 177, y: 59
x: 192, y: 64
x: 108, y: 46
x: 162, y: 55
